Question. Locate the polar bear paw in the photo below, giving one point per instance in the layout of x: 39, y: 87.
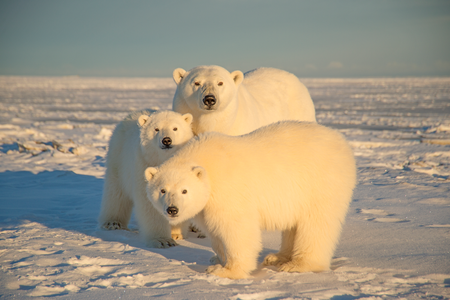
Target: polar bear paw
x: 114, y: 225
x: 301, y: 267
x: 214, y: 260
x: 177, y: 236
x: 200, y: 234
x: 161, y: 243
x: 274, y: 259
x: 220, y: 271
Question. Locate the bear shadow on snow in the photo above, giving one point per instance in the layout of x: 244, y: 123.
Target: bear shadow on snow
x: 70, y: 201
x: 56, y: 199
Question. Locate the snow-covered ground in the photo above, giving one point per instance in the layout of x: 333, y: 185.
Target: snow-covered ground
x: 53, y: 138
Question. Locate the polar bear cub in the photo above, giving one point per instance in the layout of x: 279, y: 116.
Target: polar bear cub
x: 234, y: 103
x: 143, y: 139
x: 296, y: 177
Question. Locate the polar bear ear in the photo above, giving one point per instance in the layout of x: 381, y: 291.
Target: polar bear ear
x: 188, y: 118
x: 178, y: 75
x: 150, y: 172
x: 237, y: 77
x: 199, y: 172
x: 143, y: 119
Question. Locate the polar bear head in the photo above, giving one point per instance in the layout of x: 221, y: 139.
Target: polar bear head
x: 164, y: 132
x: 178, y: 192
x: 205, y: 89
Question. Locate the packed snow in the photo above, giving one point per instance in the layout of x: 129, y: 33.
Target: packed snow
x: 54, y: 136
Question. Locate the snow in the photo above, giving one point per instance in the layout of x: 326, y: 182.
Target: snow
x: 53, y: 138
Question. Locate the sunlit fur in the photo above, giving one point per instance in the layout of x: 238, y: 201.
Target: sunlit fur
x: 290, y: 176
x: 244, y: 103
x: 134, y: 146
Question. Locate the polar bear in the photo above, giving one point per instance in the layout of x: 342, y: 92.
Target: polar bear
x: 143, y: 139
x: 297, y: 177
x: 235, y: 104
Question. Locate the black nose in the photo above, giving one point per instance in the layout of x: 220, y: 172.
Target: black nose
x: 209, y: 100
x: 172, y: 210
x: 167, y: 141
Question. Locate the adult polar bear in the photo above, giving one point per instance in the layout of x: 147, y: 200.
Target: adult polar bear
x: 235, y: 104
x: 301, y: 183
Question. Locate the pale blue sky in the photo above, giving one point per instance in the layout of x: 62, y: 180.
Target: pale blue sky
x: 140, y: 38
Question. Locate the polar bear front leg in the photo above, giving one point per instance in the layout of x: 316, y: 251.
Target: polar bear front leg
x: 153, y: 227
x: 217, y: 246
x: 241, y: 247
x: 116, y: 207
x: 227, y: 272
x: 179, y: 232
x: 284, y: 255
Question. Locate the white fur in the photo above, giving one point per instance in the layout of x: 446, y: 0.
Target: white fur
x: 134, y: 146
x: 244, y: 104
x: 290, y: 176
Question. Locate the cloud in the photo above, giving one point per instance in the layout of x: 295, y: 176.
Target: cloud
x: 335, y: 65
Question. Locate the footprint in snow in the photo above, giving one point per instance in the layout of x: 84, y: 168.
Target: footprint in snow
x: 387, y: 220
x: 380, y: 212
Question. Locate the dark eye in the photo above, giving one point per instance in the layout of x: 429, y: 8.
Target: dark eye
x: 156, y: 129
x: 197, y: 83
x: 220, y: 83
x: 175, y: 129
x: 184, y: 192
x: 163, y: 191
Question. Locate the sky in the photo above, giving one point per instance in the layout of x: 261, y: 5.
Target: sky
x: 138, y: 38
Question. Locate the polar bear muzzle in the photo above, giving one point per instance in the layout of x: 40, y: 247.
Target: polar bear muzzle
x: 209, y: 100
x: 166, y: 143
x: 172, y: 211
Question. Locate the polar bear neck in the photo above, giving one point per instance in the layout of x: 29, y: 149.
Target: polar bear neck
x: 225, y: 120
x: 221, y: 121
x: 211, y: 122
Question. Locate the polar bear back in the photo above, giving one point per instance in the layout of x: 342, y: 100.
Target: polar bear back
x: 269, y: 85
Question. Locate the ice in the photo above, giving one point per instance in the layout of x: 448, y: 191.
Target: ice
x: 54, y: 134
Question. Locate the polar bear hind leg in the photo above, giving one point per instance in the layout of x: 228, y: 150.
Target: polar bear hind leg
x: 307, y: 248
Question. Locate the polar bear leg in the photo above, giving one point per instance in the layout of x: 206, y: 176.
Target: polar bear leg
x: 284, y: 255
x: 153, y: 227
x: 116, y: 206
x: 241, y: 248
x: 180, y: 231
x: 217, y: 246
x: 312, y: 247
